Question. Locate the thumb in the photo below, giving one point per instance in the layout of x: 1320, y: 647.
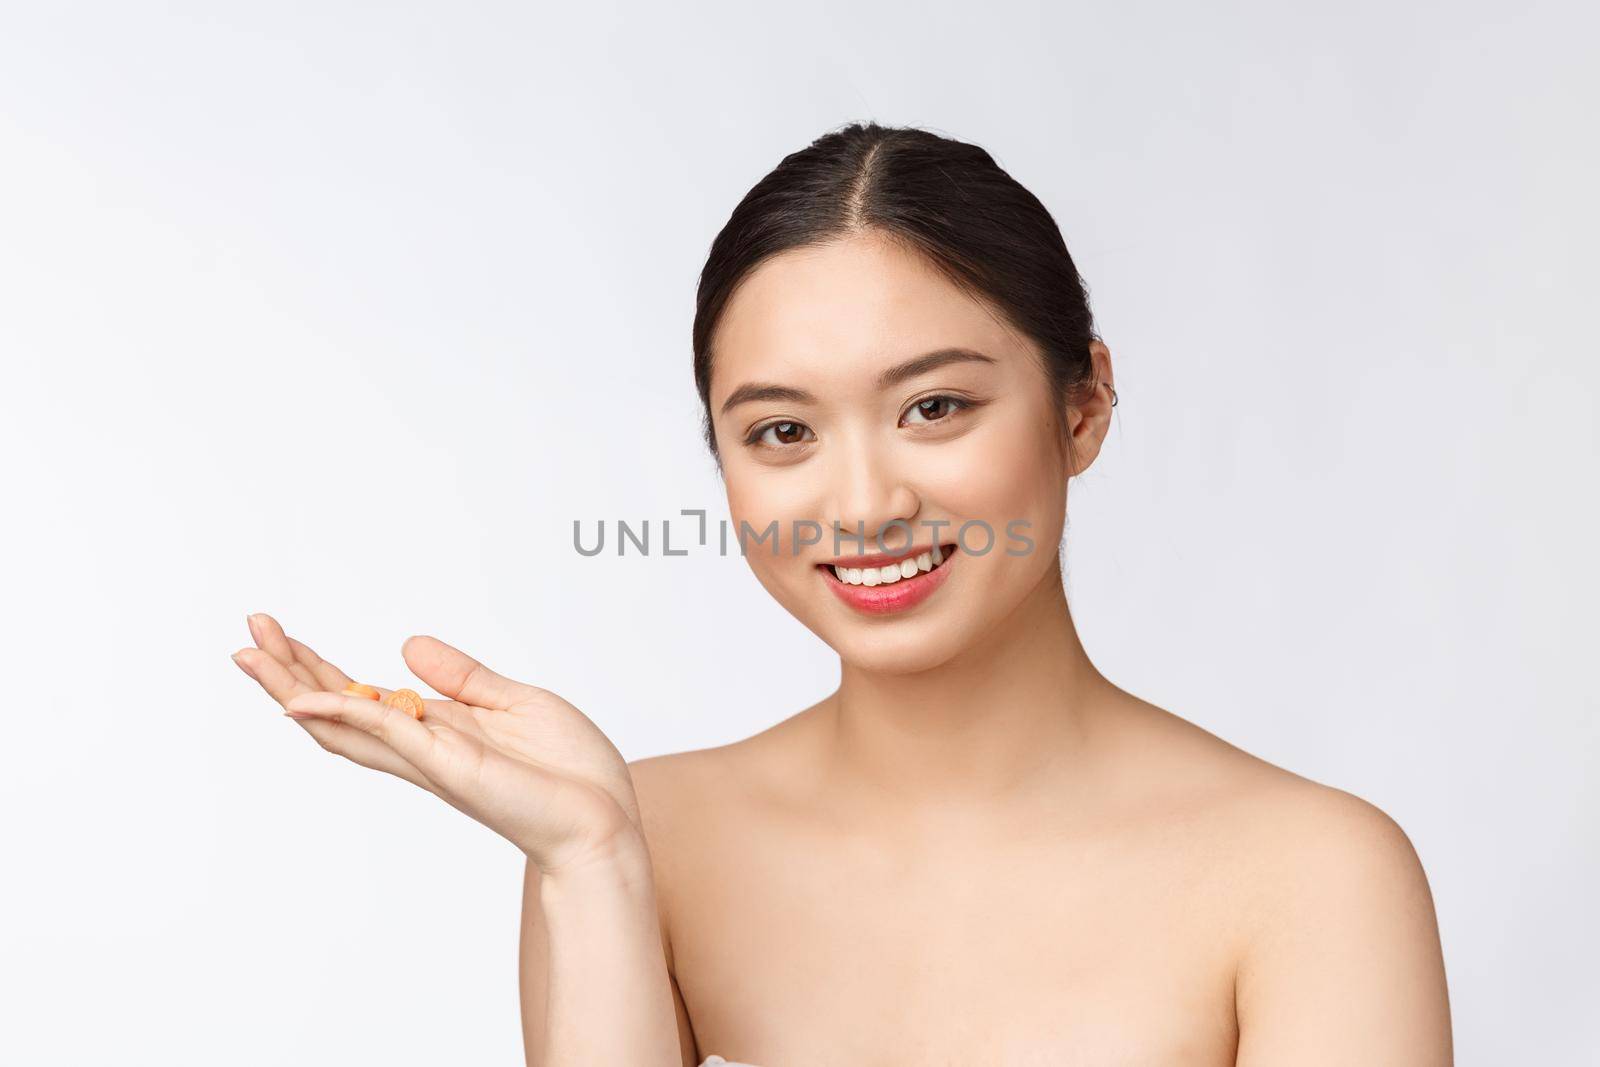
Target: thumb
x: 460, y: 677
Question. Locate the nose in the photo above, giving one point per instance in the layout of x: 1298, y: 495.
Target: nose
x: 869, y: 490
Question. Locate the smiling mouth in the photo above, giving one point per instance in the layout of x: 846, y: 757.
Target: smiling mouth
x: 907, y: 569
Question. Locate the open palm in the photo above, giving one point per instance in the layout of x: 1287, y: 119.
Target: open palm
x: 517, y: 758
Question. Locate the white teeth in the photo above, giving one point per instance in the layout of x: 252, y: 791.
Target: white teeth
x: 909, y: 567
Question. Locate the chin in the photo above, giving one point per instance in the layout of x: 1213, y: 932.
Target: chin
x: 922, y: 638
x: 902, y: 650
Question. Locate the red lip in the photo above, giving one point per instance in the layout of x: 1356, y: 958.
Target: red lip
x: 883, y: 559
x: 898, y: 596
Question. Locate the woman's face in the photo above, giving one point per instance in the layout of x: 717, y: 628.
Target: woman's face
x: 826, y: 420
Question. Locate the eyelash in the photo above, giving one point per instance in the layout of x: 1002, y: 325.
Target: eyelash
x: 958, y: 404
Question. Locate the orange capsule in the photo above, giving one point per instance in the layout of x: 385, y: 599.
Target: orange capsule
x: 356, y: 689
x: 407, y: 701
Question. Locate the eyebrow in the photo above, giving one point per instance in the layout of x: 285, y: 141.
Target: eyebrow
x: 900, y: 372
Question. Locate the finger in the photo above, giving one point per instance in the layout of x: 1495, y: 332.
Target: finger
x: 327, y: 675
x: 408, y: 737
x: 283, y: 685
x: 521, y: 802
x: 451, y: 712
x: 359, y: 747
x: 271, y: 639
x: 457, y: 675
x: 534, y: 808
x: 279, y: 682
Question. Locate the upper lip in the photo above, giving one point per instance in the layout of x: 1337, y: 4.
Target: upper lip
x: 881, y: 559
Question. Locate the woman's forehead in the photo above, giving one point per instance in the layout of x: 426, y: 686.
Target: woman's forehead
x: 846, y: 309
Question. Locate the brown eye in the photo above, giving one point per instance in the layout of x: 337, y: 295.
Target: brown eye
x: 780, y: 434
x: 933, y: 409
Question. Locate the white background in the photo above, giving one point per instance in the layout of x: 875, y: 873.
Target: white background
x: 345, y: 313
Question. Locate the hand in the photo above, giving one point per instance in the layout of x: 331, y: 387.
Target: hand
x: 517, y: 758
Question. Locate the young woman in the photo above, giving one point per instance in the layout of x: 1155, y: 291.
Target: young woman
x: 978, y: 850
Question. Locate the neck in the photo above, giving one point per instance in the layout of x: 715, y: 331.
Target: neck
x: 982, y: 726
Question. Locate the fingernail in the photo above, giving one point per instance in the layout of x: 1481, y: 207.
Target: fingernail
x: 250, y: 621
x: 299, y: 714
x: 243, y: 666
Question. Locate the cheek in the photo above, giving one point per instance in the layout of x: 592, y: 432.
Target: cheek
x: 757, y: 500
x: 761, y: 498
x: 1008, y: 470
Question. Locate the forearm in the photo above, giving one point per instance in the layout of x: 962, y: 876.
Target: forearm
x: 609, y: 996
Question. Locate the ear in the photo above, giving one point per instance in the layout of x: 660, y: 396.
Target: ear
x: 1088, y: 421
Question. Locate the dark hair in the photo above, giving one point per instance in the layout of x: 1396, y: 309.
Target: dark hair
x: 936, y: 195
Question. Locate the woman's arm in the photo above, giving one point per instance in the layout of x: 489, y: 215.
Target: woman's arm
x: 594, y: 980
x: 1344, y: 964
x: 533, y: 967
x: 537, y: 771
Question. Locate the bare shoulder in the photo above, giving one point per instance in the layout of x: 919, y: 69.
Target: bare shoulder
x: 1313, y: 833
x: 1341, y: 950
x: 1290, y: 850
x: 687, y: 800
x: 1325, y: 863
x: 699, y: 786
x: 1337, y: 940
x: 665, y: 781
x: 679, y: 783
x: 1287, y: 825
x: 703, y: 809
x: 672, y: 789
